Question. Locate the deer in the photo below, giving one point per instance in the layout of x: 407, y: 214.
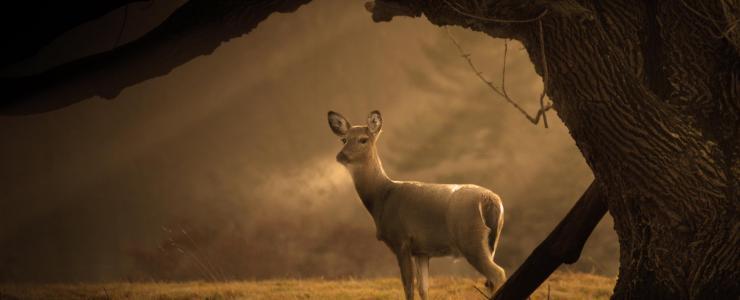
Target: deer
x: 419, y: 220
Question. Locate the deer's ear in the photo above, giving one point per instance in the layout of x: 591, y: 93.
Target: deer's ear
x: 374, y: 122
x: 338, y: 124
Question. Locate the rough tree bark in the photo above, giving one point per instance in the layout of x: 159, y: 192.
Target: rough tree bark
x: 649, y: 91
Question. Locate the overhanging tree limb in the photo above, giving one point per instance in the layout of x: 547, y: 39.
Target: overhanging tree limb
x: 23, y: 33
x: 196, y: 28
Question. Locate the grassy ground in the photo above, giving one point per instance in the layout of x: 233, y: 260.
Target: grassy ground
x: 561, y: 285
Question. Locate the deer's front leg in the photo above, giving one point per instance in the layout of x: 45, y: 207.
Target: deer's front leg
x: 422, y: 275
x: 405, y: 262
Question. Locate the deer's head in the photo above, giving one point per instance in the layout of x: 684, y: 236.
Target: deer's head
x: 359, y: 141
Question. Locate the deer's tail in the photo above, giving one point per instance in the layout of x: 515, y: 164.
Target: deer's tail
x: 492, y: 212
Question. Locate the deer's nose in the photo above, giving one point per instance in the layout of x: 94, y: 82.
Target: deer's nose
x: 342, y: 158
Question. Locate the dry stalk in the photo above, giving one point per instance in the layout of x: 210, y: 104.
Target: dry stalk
x: 545, y: 74
x: 481, y: 292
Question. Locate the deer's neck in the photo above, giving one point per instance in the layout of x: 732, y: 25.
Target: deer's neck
x: 371, y: 182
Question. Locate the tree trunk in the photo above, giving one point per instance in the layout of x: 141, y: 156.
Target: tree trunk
x: 650, y: 93
x: 646, y: 98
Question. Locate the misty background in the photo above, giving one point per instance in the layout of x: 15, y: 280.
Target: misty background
x: 224, y: 169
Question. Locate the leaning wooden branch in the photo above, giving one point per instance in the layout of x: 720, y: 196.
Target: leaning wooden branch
x: 563, y: 245
x: 502, y: 91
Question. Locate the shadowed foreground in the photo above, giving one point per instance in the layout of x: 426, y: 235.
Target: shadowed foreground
x: 562, y: 286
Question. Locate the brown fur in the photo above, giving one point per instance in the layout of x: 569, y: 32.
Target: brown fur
x: 421, y: 220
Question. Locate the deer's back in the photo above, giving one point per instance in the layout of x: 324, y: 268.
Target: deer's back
x: 425, y: 213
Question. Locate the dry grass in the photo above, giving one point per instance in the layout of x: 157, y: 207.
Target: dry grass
x: 562, y: 286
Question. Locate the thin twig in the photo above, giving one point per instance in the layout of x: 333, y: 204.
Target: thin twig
x: 211, y: 267
x: 481, y: 292
x: 193, y: 255
x: 460, y: 11
x: 106, y: 294
x: 123, y: 26
x: 544, y: 73
x: 543, y: 108
x: 503, y: 69
x: 503, y: 93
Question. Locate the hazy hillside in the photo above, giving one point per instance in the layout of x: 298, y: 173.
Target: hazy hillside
x: 224, y: 169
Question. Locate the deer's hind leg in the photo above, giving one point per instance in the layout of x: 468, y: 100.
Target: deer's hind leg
x: 473, y: 240
x: 477, y: 253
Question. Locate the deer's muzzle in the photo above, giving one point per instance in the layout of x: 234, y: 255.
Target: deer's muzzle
x: 342, y: 158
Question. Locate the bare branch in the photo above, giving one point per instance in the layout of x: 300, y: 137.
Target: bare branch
x: 543, y: 108
x: 502, y: 91
x: 503, y: 69
x: 123, y: 26
x: 544, y: 73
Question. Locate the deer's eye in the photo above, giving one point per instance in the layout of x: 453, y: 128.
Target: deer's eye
x: 344, y: 141
x: 363, y: 141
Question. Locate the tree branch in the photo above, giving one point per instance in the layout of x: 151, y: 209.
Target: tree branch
x: 563, y: 245
x: 502, y: 91
x: 545, y: 75
x: 23, y: 34
x: 196, y: 28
